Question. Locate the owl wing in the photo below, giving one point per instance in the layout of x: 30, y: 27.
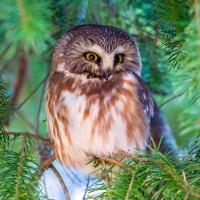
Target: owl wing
x: 145, y: 97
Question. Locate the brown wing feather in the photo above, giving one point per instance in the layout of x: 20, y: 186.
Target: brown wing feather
x: 145, y: 97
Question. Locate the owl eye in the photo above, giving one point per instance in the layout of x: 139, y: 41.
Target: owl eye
x: 119, y: 58
x: 91, y: 57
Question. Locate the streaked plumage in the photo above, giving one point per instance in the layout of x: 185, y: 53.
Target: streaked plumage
x: 98, y: 107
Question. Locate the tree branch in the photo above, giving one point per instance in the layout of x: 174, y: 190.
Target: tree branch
x: 6, y: 64
x: 170, y: 99
x: 26, y: 121
x: 115, y: 162
x: 32, y: 93
x: 46, y: 164
x: 32, y: 135
x: 5, y: 50
x: 86, y: 188
x: 62, y: 183
x: 23, y: 65
x: 40, y: 107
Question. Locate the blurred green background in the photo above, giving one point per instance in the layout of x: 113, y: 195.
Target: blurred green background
x: 168, y: 36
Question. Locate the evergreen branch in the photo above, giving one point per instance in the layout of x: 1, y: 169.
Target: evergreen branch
x: 31, y: 135
x: 130, y: 187
x: 163, y: 177
x: 112, y: 161
x: 62, y: 183
x: 5, y: 107
x: 19, y: 171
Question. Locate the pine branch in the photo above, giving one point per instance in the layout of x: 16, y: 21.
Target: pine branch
x: 17, y: 174
x: 155, y: 175
x: 62, y: 183
x: 19, y: 171
x: 129, y: 187
x: 31, y: 135
x: 5, y: 107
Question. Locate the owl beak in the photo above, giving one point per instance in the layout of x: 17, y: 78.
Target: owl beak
x: 107, y: 74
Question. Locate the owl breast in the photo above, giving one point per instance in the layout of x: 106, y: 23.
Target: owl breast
x: 95, y: 119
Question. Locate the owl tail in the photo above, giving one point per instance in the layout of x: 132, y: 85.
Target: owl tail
x: 161, y: 133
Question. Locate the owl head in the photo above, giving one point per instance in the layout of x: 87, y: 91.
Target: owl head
x: 97, y: 52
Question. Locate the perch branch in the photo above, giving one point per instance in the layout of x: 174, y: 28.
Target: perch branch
x: 115, y: 162
x: 48, y: 162
x: 46, y: 165
x: 62, y: 183
x: 111, y: 161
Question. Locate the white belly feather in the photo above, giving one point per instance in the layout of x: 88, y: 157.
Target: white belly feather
x: 81, y: 130
x: 99, y: 141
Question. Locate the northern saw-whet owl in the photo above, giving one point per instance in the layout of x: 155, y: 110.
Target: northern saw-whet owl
x: 97, y: 103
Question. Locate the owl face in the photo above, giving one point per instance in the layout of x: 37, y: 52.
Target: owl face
x: 97, y: 52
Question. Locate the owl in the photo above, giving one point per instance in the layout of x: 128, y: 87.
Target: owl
x: 96, y: 102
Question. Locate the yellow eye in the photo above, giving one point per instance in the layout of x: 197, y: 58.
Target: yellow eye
x: 91, y: 56
x: 119, y: 58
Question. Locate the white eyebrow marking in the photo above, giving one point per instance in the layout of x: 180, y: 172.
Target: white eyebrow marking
x: 119, y: 49
x: 99, y: 50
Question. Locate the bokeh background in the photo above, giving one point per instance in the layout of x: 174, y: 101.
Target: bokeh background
x: 168, y: 35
